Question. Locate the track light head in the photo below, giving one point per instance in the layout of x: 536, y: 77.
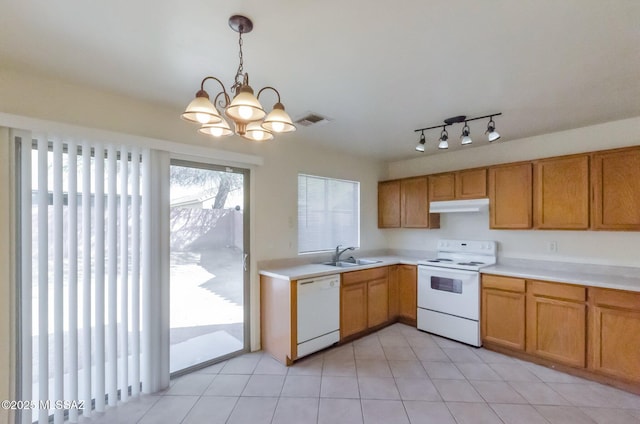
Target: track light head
x: 491, y: 130
x: 444, y: 136
x: 466, y: 139
x: 420, y: 145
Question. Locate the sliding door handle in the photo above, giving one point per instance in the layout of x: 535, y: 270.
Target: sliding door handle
x: 244, y: 261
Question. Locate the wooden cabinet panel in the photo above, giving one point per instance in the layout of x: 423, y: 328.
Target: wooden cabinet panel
x: 278, y: 320
x: 353, y: 309
x: 503, y: 311
x: 393, y: 292
x: 561, y: 193
x: 414, y: 203
x: 556, y: 326
x: 510, y: 194
x: 442, y: 187
x: 389, y: 204
x: 614, y: 333
x: 616, y: 190
x: 377, y: 302
x: 471, y: 184
x: 364, y: 275
x: 408, y: 292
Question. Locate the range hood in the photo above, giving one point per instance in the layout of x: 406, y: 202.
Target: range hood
x: 471, y: 205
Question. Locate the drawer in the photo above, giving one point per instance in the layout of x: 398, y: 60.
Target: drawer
x: 557, y: 290
x: 354, y: 277
x: 503, y: 283
x: 615, y: 298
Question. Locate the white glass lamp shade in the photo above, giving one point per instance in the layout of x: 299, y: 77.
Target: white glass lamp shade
x: 444, y: 144
x: 493, y: 135
x: 255, y: 132
x: 278, y: 120
x: 420, y: 147
x: 221, y: 129
x: 466, y: 139
x: 201, y: 110
x: 245, y: 107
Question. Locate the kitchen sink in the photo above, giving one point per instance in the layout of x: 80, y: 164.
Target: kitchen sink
x: 351, y: 263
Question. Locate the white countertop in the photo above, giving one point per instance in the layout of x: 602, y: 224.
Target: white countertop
x: 298, y: 272
x: 610, y: 277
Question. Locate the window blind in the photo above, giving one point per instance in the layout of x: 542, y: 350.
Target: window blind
x: 328, y: 213
x: 83, y: 312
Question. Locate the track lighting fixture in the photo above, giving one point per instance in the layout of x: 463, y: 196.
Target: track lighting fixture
x: 465, y: 138
x: 420, y: 146
x: 249, y: 118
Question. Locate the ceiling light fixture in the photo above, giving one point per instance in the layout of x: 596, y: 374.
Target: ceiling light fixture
x: 444, y: 136
x: 249, y: 118
x: 420, y: 146
x: 491, y: 130
x: 465, y: 138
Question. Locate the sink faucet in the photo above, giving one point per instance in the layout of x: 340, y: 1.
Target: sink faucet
x: 336, y: 256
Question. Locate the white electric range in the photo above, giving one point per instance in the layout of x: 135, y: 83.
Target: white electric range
x: 449, y: 289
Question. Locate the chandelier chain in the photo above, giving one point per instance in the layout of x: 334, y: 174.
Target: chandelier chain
x: 240, y: 72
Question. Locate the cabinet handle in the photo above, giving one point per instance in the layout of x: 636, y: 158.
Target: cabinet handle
x: 307, y: 282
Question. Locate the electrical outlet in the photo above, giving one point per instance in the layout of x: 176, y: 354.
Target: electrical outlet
x: 552, y: 247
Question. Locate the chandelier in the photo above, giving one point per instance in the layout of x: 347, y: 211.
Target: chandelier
x: 245, y: 111
x: 465, y: 138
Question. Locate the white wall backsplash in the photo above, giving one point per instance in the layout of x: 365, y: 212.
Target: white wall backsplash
x: 589, y: 247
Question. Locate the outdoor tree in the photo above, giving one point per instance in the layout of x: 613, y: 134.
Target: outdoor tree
x: 219, y: 184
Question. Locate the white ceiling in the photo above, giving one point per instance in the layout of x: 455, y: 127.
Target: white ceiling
x: 378, y: 69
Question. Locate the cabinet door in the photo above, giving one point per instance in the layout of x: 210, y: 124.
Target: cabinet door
x: 389, y: 204
x: 414, y: 203
x: 442, y: 187
x: 556, y: 322
x: 377, y: 302
x: 510, y: 192
x: 353, y: 309
x: 471, y: 184
x: 408, y: 292
x: 561, y: 193
x: 503, y: 311
x: 616, y: 190
x: 614, y: 333
x: 393, y: 292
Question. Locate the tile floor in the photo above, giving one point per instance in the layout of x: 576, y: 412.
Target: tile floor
x: 397, y: 375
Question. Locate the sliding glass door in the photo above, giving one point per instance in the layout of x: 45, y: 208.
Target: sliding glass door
x: 208, y: 254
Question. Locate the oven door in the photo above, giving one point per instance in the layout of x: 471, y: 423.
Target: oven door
x: 450, y: 291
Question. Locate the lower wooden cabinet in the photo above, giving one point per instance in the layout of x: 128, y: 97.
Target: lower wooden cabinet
x: 614, y: 334
x: 408, y: 293
x: 364, y: 300
x: 503, y: 311
x: 556, y: 322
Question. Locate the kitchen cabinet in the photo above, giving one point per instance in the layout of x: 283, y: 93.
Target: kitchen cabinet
x: 364, y: 300
x: 616, y: 189
x: 408, y: 294
x: 561, y: 193
x: 556, y: 322
x: 394, y: 304
x: 442, y: 187
x: 389, y: 204
x: 502, y: 315
x: 510, y: 196
x: 466, y: 184
x: 278, y: 321
x: 614, y: 333
x: 414, y: 206
x: 471, y: 184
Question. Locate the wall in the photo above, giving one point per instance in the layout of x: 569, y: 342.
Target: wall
x: 273, y: 185
x: 597, y: 247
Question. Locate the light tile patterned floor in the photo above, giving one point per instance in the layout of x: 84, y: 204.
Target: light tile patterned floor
x: 397, y: 375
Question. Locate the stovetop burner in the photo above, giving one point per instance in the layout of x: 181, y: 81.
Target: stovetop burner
x: 463, y: 254
x: 440, y: 260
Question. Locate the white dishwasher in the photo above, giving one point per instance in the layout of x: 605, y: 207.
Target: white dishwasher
x: 318, y: 313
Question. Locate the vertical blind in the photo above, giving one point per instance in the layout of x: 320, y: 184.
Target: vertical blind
x: 84, y: 316
x: 328, y: 213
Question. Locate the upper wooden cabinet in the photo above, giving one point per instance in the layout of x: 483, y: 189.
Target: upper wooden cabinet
x: 561, y: 193
x: 471, y: 184
x: 442, y: 187
x: 405, y: 203
x: 414, y: 203
x: 510, y: 193
x: 467, y: 184
x: 389, y: 204
x: 615, y: 177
